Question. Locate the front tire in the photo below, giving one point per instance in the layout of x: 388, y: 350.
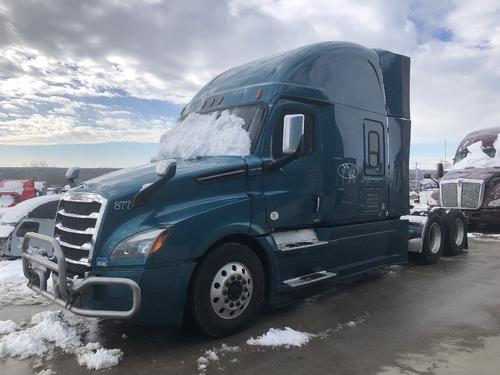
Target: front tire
x: 227, y: 290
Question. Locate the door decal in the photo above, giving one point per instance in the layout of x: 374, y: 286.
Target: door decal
x: 348, y: 171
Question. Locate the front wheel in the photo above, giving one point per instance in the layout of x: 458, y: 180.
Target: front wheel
x: 227, y: 290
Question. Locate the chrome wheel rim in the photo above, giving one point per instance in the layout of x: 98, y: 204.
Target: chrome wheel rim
x: 434, y: 238
x: 459, y: 234
x: 231, y: 290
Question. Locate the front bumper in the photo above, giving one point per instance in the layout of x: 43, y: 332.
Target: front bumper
x: 484, y: 217
x: 66, y: 292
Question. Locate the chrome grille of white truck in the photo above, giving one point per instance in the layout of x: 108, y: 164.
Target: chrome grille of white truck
x: 77, y: 224
x: 462, y: 193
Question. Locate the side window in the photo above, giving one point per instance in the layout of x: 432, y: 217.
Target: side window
x: 374, y: 148
x: 277, y: 141
x: 27, y: 226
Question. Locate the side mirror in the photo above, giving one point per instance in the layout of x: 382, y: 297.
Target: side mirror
x: 440, y: 170
x: 293, y: 130
x: 73, y: 173
x: 427, y: 176
x: 166, y: 168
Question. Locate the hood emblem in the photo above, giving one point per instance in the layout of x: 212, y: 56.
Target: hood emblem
x: 348, y: 171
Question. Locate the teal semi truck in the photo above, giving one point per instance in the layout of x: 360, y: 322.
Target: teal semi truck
x: 320, y: 196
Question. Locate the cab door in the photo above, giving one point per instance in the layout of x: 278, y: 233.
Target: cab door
x: 293, y: 193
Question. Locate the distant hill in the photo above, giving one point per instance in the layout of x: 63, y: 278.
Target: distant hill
x: 53, y: 176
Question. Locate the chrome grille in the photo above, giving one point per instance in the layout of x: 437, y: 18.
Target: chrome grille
x: 449, y: 194
x: 77, y: 223
x: 462, y: 193
x: 471, y: 192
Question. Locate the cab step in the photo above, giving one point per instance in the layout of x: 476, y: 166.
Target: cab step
x: 310, y: 278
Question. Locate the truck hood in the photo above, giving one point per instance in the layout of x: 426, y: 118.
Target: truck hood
x: 472, y: 173
x: 128, y: 181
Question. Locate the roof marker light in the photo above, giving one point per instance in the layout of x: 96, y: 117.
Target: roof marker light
x: 212, y: 101
x: 203, y: 103
x: 259, y: 93
x: 219, y: 102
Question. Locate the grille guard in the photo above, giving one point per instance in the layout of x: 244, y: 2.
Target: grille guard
x: 65, y: 290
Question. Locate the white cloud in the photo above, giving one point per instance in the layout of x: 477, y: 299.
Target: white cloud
x: 55, y: 55
x: 56, y: 129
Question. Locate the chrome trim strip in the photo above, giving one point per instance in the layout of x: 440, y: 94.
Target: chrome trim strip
x: 287, y: 247
x: 93, y: 215
x: 65, y: 244
x: 299, y: 281
x: 81, y: 262
x: 223, y: 174
x: 69, y: 230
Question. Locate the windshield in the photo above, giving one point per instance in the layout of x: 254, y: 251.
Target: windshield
x: 232, y: 131
x: 478, y: 155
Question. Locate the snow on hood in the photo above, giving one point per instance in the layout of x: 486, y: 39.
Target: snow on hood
x: 6, y: 200
x: 13, y: 214
x: 201, y: 135
x: 6, y: 230
x: 476, y: 158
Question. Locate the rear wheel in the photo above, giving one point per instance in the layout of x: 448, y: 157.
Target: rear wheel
x: 433, y: 241
x: 227, y: 290
x: 456, y: 232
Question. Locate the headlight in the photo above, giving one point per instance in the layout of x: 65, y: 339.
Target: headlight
x: 141, y: 244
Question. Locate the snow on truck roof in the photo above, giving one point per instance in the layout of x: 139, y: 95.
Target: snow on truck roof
x: 479, y: 149
x: 14, y: 214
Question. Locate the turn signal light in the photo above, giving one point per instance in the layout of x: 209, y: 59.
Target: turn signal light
x: 160, y: 241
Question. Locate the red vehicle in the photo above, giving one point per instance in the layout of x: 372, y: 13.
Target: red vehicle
x: 14, y: 191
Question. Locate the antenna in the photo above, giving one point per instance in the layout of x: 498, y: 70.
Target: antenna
x: 445, y: 153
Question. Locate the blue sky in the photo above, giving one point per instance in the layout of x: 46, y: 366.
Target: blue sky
x: 77, y: 87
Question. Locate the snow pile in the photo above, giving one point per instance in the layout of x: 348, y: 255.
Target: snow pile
x: 213, y: 356
x: 476, y: 158
x: 13, y: 286
x: 6, y: 200
x: 205, y: 135
x: 16, y: 213
x: 282, y: 338
x: 49, y: 330
x: 483, y: 236
x: 94, y: 357
x: 6, y: 230
x: 7, y: 326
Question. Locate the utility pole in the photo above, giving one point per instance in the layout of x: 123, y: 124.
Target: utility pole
x: 445, y: 154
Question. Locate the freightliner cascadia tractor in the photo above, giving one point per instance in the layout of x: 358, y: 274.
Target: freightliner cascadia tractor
x: 317, y: 196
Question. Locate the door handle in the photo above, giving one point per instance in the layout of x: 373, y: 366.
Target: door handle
x: 317, y: 203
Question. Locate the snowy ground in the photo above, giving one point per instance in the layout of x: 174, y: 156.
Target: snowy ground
x: 47, y: 332
x: 389, y: 322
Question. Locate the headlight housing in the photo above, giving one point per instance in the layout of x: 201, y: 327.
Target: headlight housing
x: 141, y: 245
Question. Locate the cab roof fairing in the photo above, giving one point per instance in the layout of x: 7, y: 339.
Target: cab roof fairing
x: 340, y: 72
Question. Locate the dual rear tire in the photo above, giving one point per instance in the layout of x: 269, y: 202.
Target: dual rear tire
x: 445, y: 233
